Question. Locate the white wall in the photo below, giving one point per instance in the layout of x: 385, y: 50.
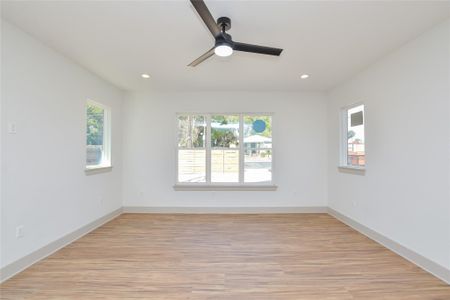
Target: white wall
x: 405, y: 193
x: 299, y: 133
x: 47, y: 189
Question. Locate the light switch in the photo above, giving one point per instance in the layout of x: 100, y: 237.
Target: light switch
x: 12, y: 128
x: 20, y: 232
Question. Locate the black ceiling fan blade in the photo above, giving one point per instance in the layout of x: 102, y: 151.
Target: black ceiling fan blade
x: 257, y: 49
x: 206, y: 16
x: 202, y: 58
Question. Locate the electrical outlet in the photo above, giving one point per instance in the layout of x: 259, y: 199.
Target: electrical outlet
x: 100, y: 200
x: 12, y: 128
x: 354, y: 203
x: 20, y: 231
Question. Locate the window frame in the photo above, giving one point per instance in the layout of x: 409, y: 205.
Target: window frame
x: 208, y: 185
x: 343, y: 137
x: 107, y: 131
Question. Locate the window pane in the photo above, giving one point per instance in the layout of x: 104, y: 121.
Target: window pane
x: 225, y: 131
x: 94, y: 134
x: 257, y: 125
x: 191, y: 131
x: 191, y: 165
x: 355, y: 136
x: 225, y: 165
x: 258, y: 165
x: 257, y: 132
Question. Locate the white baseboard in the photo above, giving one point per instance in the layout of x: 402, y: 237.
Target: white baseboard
x: 417, y: 259
x: 223, y: 210
x: 25, y: 262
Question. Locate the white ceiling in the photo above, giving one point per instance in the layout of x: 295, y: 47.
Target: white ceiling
x: 119, y: 40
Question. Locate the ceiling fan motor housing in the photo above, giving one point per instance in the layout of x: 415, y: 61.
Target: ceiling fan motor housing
x: 224, y: 23
x: 224, y: 39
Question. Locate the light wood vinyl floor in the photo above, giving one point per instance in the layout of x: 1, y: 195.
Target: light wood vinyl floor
x: 239, y: 257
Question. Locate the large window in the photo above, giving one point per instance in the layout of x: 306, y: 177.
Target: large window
x: 352, y: 137
x: 224, y: 149
x: 98, y: 136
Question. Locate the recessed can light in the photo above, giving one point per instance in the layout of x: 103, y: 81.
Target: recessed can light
x: 304, y: 76
x: 146, y: 76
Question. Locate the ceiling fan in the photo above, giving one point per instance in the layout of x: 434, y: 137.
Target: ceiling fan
x: 224, y: 45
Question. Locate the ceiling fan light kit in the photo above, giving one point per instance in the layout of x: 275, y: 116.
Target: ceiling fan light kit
x: 223, y: 50
x: 224, y: 44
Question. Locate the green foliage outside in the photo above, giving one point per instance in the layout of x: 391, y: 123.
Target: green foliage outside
x: 192, y: 130
x: 94, y: 129
x: 248, y: 128
x: 224, y: 137
x: 224, y: 120
x: 198, y: 135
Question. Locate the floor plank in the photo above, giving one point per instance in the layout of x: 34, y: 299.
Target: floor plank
x: 267, y: 256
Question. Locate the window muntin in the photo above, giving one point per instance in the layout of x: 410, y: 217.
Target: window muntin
x: 353, y: 138
x: 238, y: 149
x: 98, y: 140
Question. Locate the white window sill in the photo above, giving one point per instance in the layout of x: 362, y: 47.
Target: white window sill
x: 97, y: 169
x: 352, y: 169
x: 212, y: 187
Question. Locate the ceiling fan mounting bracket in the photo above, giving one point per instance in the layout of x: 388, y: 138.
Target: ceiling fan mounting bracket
x: 224, y: 23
